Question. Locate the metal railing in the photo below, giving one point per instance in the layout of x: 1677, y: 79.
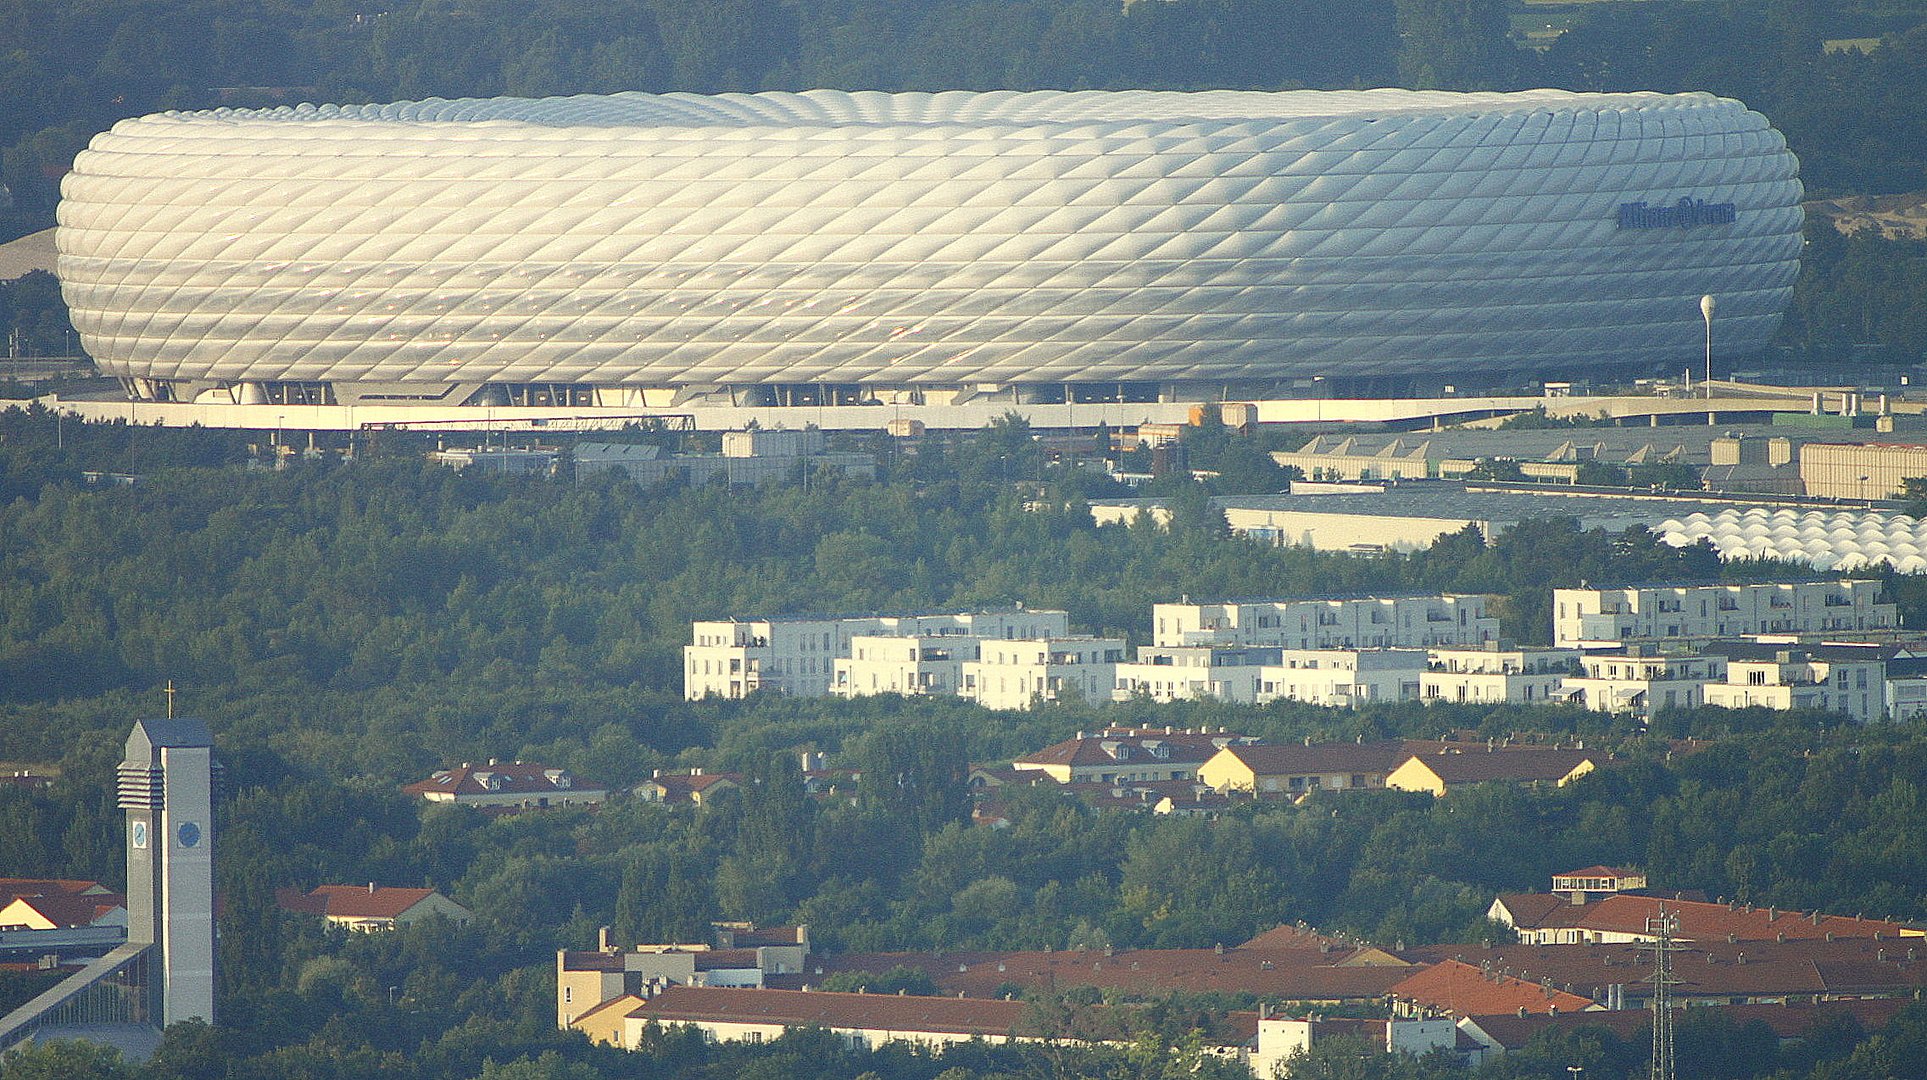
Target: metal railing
x: 110, y: 990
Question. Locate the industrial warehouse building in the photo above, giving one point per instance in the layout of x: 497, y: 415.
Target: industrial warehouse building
x: 648, y: 251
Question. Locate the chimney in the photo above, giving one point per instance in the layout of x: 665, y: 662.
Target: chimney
x: 602, y: 939
x: 371, y: 888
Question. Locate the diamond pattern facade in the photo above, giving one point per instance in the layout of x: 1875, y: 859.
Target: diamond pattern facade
x: 917, y: 239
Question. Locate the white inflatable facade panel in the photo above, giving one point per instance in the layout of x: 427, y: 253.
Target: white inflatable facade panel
x: 954, y: 238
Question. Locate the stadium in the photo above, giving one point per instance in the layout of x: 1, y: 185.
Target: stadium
x: 641, y: 250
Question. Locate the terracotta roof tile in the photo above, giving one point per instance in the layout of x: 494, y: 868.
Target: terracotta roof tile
x: 1300, y: 973
x: 1468, y: 991
x: 1786, y: 1021
x: 1181, y: 747
x: 510, y: 778
x: 1747, y: 968
x: 1333, y: 757
x: 355, y: 901
x: 1518, y: 763
x: 15, y: 887
x: 1627, y: 913
x: 681, y: 787
x: 1292, y: 937
x: 67, y: 910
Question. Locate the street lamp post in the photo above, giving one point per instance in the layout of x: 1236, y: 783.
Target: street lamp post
x: 1706, y: 312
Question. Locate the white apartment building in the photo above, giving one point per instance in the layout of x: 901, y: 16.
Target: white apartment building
x: 925, y: 665
x: 1495, y: 675
x: 1843, y: 679
x: 1608, y: 618
x: 1346, y: 677
x: 1640, y: 680
x: 1194, y: 672
x: 796, y: 654
x: 1906, y: 688
x: 1280, y: 1038
x: 1011, y: 674
x: 1406, y: 622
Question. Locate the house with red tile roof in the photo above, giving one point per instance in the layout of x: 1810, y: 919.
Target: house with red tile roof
x: 56, y: 916
x: 1505, y: 1033
x: 1461, y: 989
x: 1455, y: 767
x: 1295, y: 769
x: 1128, y: 755
x: 1297, y: 974
x: 1570, y: 919
x: 513, y: 785
x: 371, y: 907
x: 63, y: 911
x: 15, y: 887
x: 693, y: 788
x: 1719, y: 972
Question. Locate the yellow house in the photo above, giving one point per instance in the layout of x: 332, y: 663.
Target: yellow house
x: 606, y: 1022
x: 1439, y: 772
x: 1296, y: 769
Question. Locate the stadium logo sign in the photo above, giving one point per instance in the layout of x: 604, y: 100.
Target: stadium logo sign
x: 1684, y: 214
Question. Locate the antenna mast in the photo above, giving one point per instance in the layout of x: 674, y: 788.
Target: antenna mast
x: 1662, y: 928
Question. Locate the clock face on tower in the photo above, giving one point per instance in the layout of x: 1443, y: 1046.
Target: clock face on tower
x: 140, y: 834
x: 189, y: 833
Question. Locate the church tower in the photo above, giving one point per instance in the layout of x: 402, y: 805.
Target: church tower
x: 166, y: 785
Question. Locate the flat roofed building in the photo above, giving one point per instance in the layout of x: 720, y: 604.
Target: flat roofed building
x: 1861, y: 470
x: 740, y: 955
x: 1642, y: 680
x: 1906, y: 688
x: 1194, y: 672
x: 1496, y: 675
x: 1014, y: 674
x: 1408, y: 622
x: 797, y: 654
x: 1598, y: 879
x: 920, y: 666
x: 1848, y: 679
x: 1346, y: 678
x: 1282, y: 1037
x: 1609, y: 617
